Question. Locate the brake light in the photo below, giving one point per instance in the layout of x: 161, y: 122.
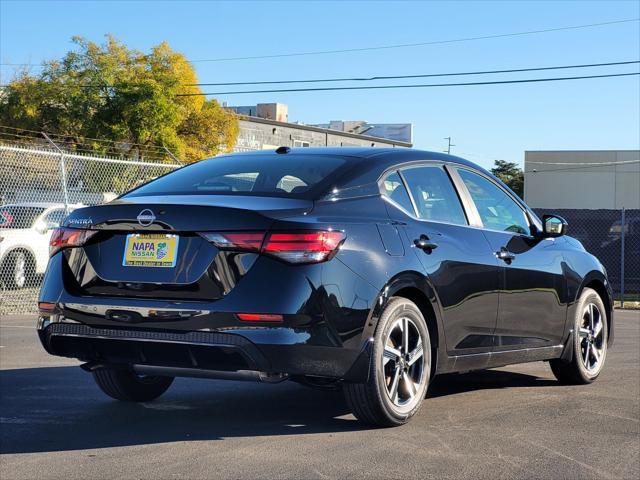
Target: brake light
x: 292, y: 247
x: 47, y: 308
x: 62, y: 238
x: 260, y: 317
x: 251, y: 241
x: 306, y: 247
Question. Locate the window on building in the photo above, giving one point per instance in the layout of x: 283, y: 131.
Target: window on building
x: 301, y: 143
x: 434, y: 195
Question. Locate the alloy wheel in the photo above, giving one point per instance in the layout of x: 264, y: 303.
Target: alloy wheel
x: 404, y: 362
x: 592, y: 340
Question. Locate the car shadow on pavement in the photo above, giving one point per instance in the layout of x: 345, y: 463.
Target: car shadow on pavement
x: 60, y: 408
x: 453, y: 383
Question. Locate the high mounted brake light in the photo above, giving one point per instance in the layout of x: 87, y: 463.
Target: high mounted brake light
x: 292, y: 247
x: 62, y: 238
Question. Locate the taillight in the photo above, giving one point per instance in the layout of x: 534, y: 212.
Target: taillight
x: 260, y: 317
x: 305, y: 247
x: 292, y: 247
x: 249, y: 241
x: 67, y: 238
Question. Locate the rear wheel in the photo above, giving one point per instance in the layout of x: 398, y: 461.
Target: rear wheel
x: 590, y: 342
x: 125, y: 385
x: 399, y: 371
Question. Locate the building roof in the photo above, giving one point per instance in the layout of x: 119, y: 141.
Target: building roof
x: 323, y: 130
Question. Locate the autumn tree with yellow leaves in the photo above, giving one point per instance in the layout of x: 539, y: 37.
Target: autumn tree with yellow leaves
x: 111, y: 92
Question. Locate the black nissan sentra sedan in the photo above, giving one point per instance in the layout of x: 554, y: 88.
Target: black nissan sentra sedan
x: 369, y: 270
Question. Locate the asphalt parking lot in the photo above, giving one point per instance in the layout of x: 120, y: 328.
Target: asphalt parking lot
x: 514, y: 422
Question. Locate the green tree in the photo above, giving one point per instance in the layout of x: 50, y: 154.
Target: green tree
x: 511, y: 174
x: 111, y: 92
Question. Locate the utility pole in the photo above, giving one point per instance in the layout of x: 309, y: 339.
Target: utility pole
x: 449, y: 145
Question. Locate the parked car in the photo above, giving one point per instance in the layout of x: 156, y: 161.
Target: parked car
x: 613, y: 243
x: 369, y: 270
x: 25, y: 229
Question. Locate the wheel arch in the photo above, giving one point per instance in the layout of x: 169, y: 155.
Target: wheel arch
x: 597, y: 281
x: 416, y: 287
x: 19, y: 248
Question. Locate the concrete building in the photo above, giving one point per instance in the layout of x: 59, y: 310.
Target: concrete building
x: 265, y: 126
x: 402, y: 132
x: 596, y: 179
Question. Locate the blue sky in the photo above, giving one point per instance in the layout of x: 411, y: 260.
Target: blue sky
x: 486, y: 122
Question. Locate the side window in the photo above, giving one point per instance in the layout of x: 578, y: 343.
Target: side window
x: 394, y: 189
x: 434, y: 195
x: 54, y: 217
x: 498, y: 211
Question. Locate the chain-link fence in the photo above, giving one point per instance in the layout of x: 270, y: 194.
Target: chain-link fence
x: 614, y: 237
x: 38, y: 187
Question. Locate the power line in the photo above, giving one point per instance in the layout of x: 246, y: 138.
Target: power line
x: 381, y: 77
x: 420, y: 44
x: 425, y: 75
x: 551, y: 170
x: 378, y: 87
x: 387, y: 47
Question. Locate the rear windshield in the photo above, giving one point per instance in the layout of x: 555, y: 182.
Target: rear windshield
x: 17, y: 216
x: 281, y: 175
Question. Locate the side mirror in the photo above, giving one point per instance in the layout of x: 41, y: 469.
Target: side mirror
x: 554, y: 226
x: 40, y: 226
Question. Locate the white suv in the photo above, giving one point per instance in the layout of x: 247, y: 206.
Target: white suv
x: 25, y: 229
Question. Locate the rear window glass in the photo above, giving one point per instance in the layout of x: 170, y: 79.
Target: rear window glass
x: 281, y: 175
x: 18, y: 216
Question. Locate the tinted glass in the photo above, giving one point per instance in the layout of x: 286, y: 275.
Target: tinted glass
x: 394, y: 189
x: 17, y: 216
x: 497, y: 209
x: 282, y: 175
x: 434, y: 195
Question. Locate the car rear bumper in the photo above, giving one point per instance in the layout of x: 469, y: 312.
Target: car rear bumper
x: 269, y: 351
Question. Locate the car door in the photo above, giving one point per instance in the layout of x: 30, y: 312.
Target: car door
x: 455, y: 256
x: 531, y: 312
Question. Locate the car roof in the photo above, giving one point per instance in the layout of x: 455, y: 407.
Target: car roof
x: 39, y: 205
x: 377, y: 155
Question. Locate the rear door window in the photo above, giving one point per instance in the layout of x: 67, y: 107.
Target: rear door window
x: 434, y: 195
x: 280, y: 175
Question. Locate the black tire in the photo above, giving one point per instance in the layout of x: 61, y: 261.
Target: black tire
x: 577, y: 371
x: 372, y: 402
x: 125, y: 385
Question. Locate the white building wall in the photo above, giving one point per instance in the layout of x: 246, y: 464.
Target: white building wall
x: 582, y: 179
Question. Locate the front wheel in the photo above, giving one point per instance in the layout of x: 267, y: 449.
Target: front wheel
x: 590, y: 342
x: 399, y: 371
x: 126, y: 385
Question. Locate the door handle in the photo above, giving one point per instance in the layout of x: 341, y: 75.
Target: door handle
x: 423, y: 243
x: 506, y: 255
